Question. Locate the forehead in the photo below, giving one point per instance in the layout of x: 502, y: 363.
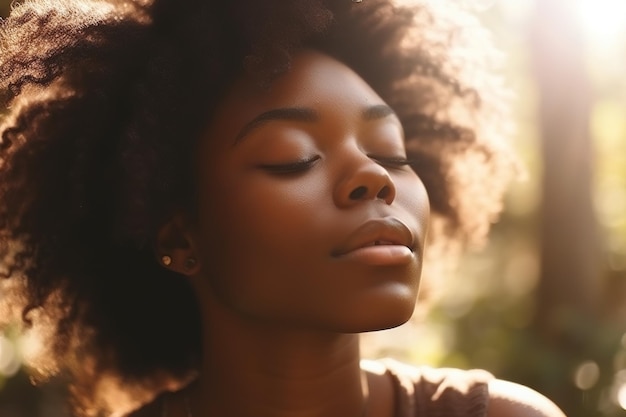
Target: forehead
x: 315, y: 80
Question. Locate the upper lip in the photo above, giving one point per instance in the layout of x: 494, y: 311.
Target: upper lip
x: 388, y: 230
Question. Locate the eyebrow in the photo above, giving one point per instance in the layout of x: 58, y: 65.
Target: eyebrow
x: 304, y: 114
x: 298, y: 114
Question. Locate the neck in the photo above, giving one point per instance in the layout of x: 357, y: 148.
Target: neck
x: 271, y: 371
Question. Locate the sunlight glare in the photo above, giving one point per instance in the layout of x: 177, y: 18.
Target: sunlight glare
x: 603, y: 21
x: 621, y: 396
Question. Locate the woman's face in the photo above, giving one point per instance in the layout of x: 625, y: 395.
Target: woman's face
x: 307, y: 214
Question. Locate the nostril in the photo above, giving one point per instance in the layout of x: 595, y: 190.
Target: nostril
x: 384, y: 192
x: 358, y: 193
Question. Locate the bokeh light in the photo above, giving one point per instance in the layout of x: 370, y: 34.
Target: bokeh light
x: 621, y: 396
x: 587, y: 375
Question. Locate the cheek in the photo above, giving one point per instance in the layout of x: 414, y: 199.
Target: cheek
x: 420, y: 200
x: 264, y: 210
x: 412, y: 198
x: 258, y: 234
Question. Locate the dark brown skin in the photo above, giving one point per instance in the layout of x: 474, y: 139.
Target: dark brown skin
x: 283, y: 287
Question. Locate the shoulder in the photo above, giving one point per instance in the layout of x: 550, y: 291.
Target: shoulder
x: 507, y: 399
x: 434, y: 379
x: 463, y: 392
x: 426, y: 391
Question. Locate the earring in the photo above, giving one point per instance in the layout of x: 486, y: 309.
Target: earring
x: 167, y: 260
x: 357, y: 1
x: 190, y: 263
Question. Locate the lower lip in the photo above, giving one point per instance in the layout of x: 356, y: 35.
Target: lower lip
x: 381, y: 255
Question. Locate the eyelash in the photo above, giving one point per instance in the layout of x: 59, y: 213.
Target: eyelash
x: 302, y: 165
x: 391, y: 162
x: 292, y: 167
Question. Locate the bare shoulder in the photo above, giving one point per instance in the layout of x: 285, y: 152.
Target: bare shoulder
x: 507, y: 399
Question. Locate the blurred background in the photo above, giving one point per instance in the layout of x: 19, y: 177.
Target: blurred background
x: 544, y: 303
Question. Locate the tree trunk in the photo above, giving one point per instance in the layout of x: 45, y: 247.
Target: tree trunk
x: 570, y: 284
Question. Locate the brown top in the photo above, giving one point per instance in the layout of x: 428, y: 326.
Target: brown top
x: 418, y: 391
x: 438, y: 392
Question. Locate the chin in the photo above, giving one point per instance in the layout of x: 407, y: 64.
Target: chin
x: 384, y: 314
x: 389, y: 321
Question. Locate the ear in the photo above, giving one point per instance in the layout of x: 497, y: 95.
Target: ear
x: 175, y: 247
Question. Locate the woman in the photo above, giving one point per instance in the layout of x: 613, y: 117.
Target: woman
x: 205, y: 202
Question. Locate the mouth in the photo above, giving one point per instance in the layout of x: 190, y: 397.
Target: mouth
x: 388, y: 232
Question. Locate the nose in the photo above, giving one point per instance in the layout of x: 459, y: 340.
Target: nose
x: 363, y: 180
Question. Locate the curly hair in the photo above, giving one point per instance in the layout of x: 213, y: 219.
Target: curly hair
x: 105, y: 101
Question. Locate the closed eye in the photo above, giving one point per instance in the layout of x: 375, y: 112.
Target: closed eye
x: 290, y: 167
x: 392, y: 162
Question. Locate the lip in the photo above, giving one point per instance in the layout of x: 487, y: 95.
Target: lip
x: 383, y: 233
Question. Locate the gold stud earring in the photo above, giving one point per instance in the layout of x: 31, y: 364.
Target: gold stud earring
x: 167, y: 260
